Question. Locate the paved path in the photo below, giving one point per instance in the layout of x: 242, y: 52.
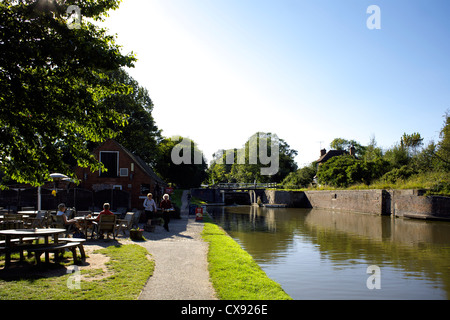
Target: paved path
x: 181, y: 268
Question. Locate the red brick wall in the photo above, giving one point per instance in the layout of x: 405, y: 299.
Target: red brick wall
x: 131, y: 183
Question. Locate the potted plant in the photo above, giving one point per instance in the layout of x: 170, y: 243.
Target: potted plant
x: 136, y: 234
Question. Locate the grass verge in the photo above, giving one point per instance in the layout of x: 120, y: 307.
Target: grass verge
x: 233, y: 272
x: 129, y: 267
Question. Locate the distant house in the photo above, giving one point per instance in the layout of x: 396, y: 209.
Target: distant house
x: 126, y: 172
x: 325, y: 156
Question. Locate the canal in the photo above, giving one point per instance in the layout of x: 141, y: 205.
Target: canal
x: 325, y: 254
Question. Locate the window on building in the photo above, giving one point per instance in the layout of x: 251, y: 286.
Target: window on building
x: 110, y: 160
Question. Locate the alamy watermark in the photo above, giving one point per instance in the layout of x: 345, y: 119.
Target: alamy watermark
x: 74, y: 17
x: 257, y: 148
x: 374, y: 20
x: 74, y: 280
x: 374, y: 280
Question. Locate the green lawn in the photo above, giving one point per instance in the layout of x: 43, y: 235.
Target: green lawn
x: 130, y: 269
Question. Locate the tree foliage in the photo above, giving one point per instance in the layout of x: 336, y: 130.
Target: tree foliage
x: 246, y: 165
x: 403, y: 160
x: 344, y: 144
x: 300, y: 178
x: 342, y: 171
x: 190, y: 172
x: 443, y: 147
x: 53, y: 84
x: 141, y: 135
x: 411, y: 142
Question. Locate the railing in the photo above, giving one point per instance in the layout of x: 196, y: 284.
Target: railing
x: 245, y: 185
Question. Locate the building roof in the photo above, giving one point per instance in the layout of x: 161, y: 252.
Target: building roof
x: 330, y: 154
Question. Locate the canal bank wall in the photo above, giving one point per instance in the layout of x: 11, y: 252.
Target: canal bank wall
x: 400, y: 203
x: 414, y: 204
x: 368, y: 201
x: 411, y: 203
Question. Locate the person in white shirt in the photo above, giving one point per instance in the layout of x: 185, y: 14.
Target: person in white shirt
x: 149, y: 207
x: 62, y: 212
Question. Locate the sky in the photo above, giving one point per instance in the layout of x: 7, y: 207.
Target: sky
x: 309, y: 71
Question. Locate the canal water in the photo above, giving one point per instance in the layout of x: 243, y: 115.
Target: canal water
x: 324, y: 254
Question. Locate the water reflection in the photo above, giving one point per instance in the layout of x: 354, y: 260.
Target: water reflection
x: 322, y: 254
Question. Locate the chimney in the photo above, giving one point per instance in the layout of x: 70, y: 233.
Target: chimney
x: 352, y: 151
x: 323, y: 152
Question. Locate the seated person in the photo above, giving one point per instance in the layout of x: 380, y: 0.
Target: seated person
x: 104, y: 212
x: 62, y: 212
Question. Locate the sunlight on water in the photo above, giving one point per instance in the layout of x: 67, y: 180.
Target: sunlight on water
x: 323, y: 254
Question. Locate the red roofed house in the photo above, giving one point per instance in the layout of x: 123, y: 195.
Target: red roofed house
x: 126, y: 172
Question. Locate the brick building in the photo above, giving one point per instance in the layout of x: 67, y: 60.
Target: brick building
x: 126, y: 172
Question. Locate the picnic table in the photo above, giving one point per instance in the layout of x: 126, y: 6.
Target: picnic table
x: 15, y: 242
x: 29, y: 213
x: 86, y: 222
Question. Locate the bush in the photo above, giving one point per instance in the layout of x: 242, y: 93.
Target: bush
x: 334, y: 171
x: 342, y: 171
x: 300, y: 178
x: 441, y: 188
x: 402, y: 173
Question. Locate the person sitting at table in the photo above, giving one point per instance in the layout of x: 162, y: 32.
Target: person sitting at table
x: 105, y: 211
x: 67, y: 223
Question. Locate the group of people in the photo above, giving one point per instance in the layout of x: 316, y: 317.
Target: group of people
x: 150, y: 209
x: 67, y: 222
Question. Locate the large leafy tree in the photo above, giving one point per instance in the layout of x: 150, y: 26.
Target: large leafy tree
x: 344, y: 144
x: 246, y: 165
x: 53, y: 82
x: 181, y: 162
x: 141, y: 135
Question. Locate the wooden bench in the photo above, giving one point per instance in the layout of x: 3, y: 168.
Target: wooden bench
x: 23, y: 240
x: 55, y: 248
x: 26, y: 239
x: 80, y: 244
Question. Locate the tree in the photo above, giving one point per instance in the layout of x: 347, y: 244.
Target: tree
x: 333, y: 172
x: 411, y: 142
x: 141, y: 135
x: 301, y: 178
x: 372, y: 151
x: 175, y: 167
x: 344, y: 144
x: 262, y: 151
x: 426, y: 160
x: 443, y: 147
x: 218, y: 173
x: 342, y: 171
x: 53, y: 82
x: 397, y: 156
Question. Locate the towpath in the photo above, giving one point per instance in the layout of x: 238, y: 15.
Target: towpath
x: 180, y: 255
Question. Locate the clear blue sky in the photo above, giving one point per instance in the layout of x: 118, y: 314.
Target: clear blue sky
x: 309, y: 71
